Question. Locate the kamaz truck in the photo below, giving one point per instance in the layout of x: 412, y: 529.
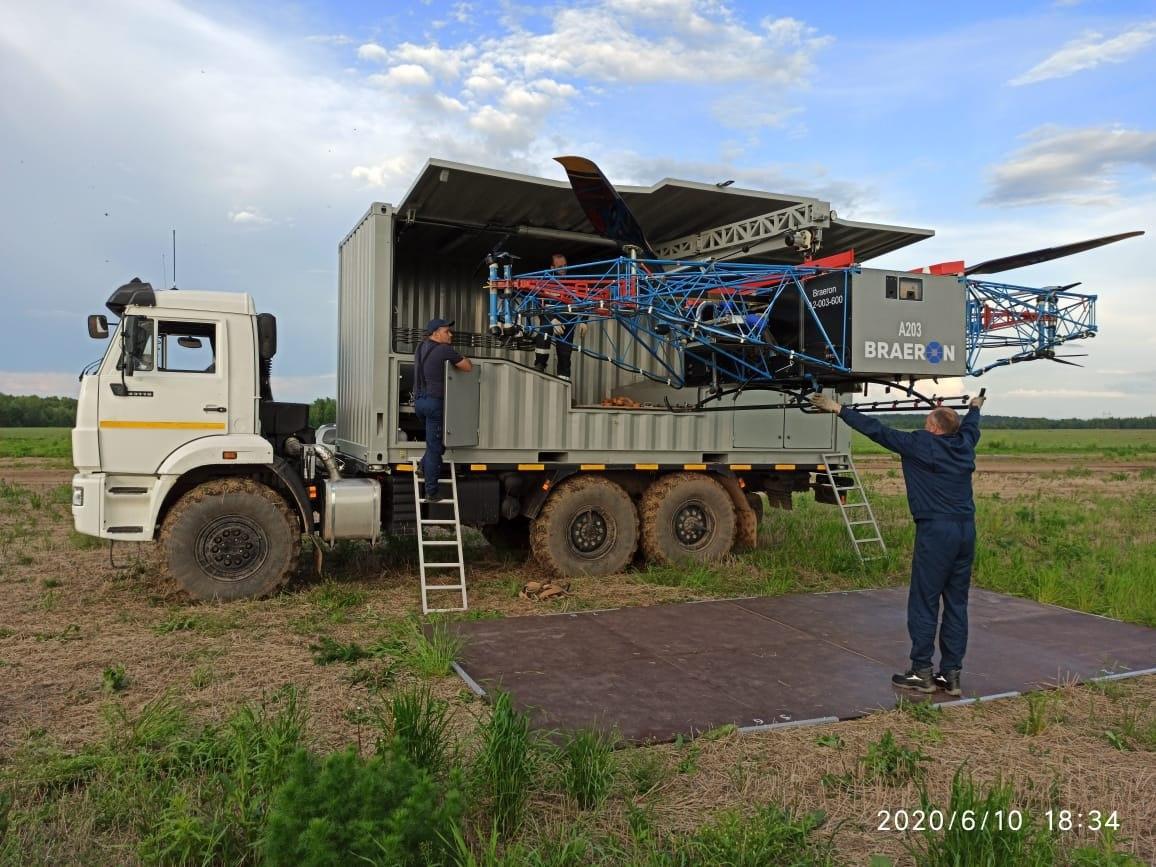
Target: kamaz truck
x: 179, y: 439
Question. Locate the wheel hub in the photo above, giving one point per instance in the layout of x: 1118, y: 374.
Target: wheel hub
x: 590, y: 533
x: 692, y: 525
x: 231, y: 548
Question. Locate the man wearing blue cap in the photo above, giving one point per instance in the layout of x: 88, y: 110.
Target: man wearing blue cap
x: 429, y: 391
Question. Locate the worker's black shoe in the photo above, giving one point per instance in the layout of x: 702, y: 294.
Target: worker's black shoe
x: 917, y: 679
x: 435, y: 497
x: 948, y: 681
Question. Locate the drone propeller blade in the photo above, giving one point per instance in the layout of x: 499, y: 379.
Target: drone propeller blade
x: 608, y: 213
x: 1020, y: 260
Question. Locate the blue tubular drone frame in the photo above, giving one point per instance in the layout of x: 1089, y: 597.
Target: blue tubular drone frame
x: 1033, y: 322
x: 721, y: 315
x: 753, y: 324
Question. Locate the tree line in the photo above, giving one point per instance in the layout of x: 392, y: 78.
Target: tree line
x: 33, y: 411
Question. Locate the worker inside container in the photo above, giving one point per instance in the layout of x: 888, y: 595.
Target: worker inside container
x: 557, y: 331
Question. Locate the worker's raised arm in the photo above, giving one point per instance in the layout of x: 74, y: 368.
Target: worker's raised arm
x: 901, y: 442
x: 464, y: 364
x: 969, y: 427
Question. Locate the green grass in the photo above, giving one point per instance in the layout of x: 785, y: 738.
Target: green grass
x: 588, y: 766
x: 1081, y: 553
x: 35, y: 442
x: 1078, y: 552
x: 505, y: 767
x: 1109, y: 443
x: 417, y: 724
x: 177, y: 791
x: 983, y: 843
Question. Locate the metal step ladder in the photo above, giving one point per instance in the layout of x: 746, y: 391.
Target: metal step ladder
x: 858, y: 516
x: 426, y: 511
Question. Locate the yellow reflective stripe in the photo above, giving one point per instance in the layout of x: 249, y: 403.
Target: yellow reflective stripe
x: 531, y: 466
x: 478, y: 467
x: 164, y: 425
x: 694, y: 466
x: 592, y: 466
x: 784, y: 466
x: 646, y: 466
x: 740, y: 466
x: 404, y: 468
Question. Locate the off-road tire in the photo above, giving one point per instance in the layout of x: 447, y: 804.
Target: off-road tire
x: 693, y: 505
x: 510, y: 536
x: 588, y: 526
x: 231, y: 539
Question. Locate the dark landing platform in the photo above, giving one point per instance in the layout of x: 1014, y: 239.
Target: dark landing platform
x: 655, y: 672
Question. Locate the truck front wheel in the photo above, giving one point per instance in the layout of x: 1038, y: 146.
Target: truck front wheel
x: 230, y: 539
x: 588, y: 526
x: 687, y: 518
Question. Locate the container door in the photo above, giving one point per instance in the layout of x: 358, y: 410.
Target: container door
x: 810, y: 431
x: 463, y: 405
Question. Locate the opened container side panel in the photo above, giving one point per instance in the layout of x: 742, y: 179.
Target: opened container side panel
x: 522, y: 409
x: 358, y: 276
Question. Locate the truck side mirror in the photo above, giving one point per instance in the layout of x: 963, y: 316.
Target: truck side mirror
x: 97, y: 326
x: 266, y: 335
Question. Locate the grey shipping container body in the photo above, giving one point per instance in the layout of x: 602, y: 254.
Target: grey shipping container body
x: 402, y: 266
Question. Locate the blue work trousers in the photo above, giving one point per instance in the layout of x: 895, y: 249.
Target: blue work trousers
x: 432, y: 411
x: 940, y: 570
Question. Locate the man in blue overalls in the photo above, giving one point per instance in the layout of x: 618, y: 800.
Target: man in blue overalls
x: 429, y: 391
x: 937, y: 465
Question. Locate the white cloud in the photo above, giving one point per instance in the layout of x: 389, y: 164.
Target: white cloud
x: 461, y: 12
x: 1074, y: 165
x: 408, y: 75
x: 390, y: 170
x: 449, y: 103
x: 372, y: 51
x: 446, y: 63
x: 248, y: 217
x: 1088, y: 52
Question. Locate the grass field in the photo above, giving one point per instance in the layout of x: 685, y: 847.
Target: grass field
x: 35, y: 442
x: 142, y: 728
x: 1108, y: 443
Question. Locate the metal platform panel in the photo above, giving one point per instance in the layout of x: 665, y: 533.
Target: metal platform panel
x: 656, y: 672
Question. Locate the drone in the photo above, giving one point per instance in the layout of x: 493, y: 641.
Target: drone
x: 728, y: 326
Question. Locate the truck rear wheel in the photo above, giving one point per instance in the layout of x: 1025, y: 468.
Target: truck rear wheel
x: 687, y: 518
x: 588, y: 526
x: 230, y: 539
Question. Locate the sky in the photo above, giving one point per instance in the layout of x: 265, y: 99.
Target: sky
x: 262, y: 132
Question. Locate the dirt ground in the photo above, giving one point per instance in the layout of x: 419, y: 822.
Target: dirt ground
x: 67, y: 613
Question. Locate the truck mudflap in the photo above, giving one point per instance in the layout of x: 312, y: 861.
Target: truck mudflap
x: 296, y: 487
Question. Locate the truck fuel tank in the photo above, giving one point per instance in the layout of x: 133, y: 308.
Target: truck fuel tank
x: 351, y: 510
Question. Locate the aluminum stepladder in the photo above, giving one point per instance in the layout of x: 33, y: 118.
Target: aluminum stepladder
x: 454, y: 525
x: 858, y: 516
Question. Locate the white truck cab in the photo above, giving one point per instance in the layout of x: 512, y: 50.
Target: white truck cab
x: 178, y: 413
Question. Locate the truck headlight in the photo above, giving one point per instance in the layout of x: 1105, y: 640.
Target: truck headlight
x: 77, y: 495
